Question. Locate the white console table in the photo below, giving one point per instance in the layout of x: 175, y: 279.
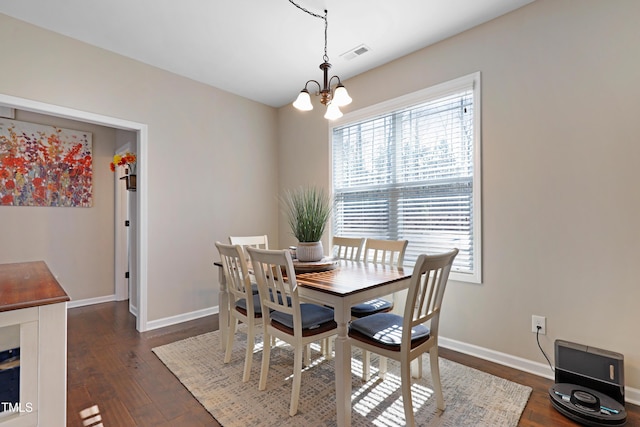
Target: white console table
x: 32, y: 300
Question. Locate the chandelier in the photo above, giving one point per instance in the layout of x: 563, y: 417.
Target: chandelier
x: 333, y: 99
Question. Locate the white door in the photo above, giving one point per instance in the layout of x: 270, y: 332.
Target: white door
x: 121, y: 239
x: 125, y: 213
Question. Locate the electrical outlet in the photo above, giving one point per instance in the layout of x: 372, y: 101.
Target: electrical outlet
x: 540, y: 321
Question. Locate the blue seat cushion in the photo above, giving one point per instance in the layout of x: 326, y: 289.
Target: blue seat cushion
x: 386, y: 329
x: 377, y: 305
x: 257, y: 307
x: 254, y: 288
x: 313, y: 316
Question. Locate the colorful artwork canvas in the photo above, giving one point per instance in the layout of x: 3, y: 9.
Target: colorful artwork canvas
x: 44, y: 165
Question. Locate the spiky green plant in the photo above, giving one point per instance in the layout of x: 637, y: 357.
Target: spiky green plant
x: 308, y: 210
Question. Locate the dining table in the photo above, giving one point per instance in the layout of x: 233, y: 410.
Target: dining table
x: 344, y: 285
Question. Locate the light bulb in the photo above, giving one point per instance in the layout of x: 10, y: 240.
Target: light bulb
x: 333, y: 112
x: 341, y: 96
x: 303, y: 101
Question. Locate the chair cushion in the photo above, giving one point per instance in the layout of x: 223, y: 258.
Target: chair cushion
x: 386, y: 328
x: 257, y: 307
x: 312, y: 316
x: 377, y: 305
x: 254, y: 288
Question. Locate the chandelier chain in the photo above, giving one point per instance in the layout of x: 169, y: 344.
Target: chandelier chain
x: 326, y: 25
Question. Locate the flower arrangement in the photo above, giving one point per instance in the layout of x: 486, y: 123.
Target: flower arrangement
x: 128, y: 161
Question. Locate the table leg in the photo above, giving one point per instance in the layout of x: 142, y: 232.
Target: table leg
x: 342, y: 315
x: 223, y: 304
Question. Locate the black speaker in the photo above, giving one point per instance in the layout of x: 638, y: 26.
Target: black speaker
x: 589, y: 385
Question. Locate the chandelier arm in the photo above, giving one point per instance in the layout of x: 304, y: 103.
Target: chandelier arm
x: 314, y: 81
x: 334, y: 77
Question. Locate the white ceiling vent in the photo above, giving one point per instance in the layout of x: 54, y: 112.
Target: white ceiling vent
x: 355, y: 52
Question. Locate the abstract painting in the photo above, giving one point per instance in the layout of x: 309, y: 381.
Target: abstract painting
x: 44, y: 165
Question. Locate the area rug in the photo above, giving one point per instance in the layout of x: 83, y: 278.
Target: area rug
x: 473, y: 398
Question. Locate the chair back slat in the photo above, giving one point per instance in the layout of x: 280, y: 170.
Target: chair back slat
x: 348, y: 247
x: 277, y: 284
x: 426, y: 292
x: 261, y: 242
x: 250, y: 241
x: 236, y: 272
x: 387, y: 252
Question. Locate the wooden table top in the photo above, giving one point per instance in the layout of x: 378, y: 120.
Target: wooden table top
x: 352, y: 276
x: 28, y: 284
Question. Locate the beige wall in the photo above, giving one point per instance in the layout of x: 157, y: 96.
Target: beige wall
x: 76, y: 243
x: 211, y: 155
x: 560, y: 158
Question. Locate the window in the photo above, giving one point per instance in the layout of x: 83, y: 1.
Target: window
x: 410, y: 169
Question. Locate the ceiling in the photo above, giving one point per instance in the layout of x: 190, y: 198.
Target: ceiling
x: 264, y: 50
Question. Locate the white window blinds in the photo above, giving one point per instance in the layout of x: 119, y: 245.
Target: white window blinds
x: 410, y: 174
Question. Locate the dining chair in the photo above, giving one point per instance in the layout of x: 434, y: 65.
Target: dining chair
x: 387, y: 252
x: 348, y: 247
x: 244, y: 306
x: 250, y: 241
x: 405, y: 338
x: 261, y: 242
x: 384, y: 252
x: 247, y: 242
x: 285, y: 316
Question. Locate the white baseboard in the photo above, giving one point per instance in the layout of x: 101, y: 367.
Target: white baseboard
x: 632, y: 395
x: 173, y: 320
x: 90, y: 301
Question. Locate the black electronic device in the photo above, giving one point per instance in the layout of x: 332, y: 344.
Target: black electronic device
x: 589, y: 386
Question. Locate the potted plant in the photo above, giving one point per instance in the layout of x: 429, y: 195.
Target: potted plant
x: 308, y: 210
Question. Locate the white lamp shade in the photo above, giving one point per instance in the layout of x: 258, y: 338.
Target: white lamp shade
x: 303, y: 101
x: 333, y: 112
x: 341, y: 96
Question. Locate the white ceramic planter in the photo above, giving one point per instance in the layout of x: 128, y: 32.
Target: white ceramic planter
x: 309, y: 251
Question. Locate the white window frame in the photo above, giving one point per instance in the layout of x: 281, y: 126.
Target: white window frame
x: 419, y: 97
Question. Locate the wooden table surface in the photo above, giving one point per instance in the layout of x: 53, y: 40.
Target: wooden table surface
x: 28, y: 284
x: 352, y: 277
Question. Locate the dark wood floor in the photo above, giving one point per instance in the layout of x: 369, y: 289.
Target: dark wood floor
x: 110, y: 364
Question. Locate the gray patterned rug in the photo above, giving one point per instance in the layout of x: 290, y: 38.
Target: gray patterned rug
x: 473, y: 398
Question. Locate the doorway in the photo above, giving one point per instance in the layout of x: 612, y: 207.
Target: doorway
x: 141, y: 132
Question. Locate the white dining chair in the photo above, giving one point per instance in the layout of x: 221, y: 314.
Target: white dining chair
x: 408, y: 337
x: 285, y: 316
x: 258, y: 241
x: 244, y: 306
x: 261, y: 241
x: 384, y: 252
x: 349, y: 248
